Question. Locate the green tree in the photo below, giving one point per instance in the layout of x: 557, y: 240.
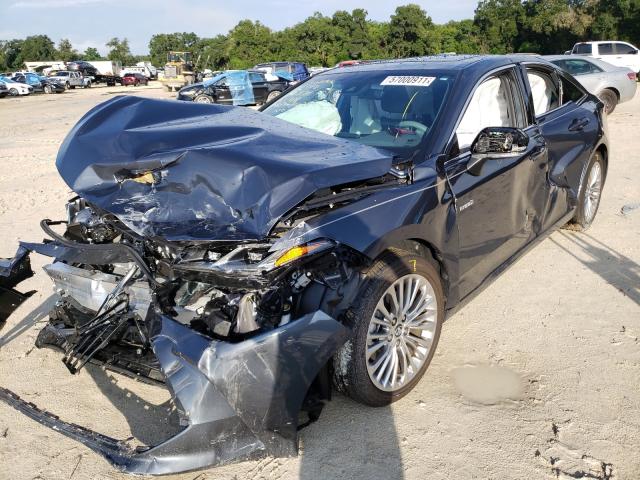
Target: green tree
x: 248, y: 44
x: 91, y: 53
x: 10, y: 54
x: 119, y: 51
x: 498, y: 23
x: 212, y: 53
x: 411, y: 32
x: 34, y: 48
x: 66, y: 52
x: 351, y: 33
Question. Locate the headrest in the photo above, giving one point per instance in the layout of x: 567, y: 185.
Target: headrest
x: 394, y: 99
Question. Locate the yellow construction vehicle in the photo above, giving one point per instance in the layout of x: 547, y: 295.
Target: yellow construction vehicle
x: 178, y: 71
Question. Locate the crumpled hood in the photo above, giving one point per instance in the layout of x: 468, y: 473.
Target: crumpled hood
x: 184, y: 171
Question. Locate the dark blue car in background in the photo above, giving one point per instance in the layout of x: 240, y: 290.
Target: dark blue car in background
x: 252, y: 260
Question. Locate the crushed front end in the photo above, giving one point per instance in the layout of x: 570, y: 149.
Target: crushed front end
x: 187, y: 260
x: 237, y: 331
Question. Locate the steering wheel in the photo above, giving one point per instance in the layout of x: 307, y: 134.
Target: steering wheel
x: 419, y: 127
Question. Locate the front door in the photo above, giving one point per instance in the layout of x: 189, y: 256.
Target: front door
x: 496, y: 215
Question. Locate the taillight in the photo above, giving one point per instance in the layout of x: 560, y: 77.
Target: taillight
x: 632, y: 76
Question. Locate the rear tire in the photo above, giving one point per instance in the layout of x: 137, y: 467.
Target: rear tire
x: 273, y: 95
x: 361, y: 370
x: 610, y: 100
x: 589, y: 195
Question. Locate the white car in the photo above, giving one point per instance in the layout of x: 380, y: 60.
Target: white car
x: 611, y: 84
x: 620, y: 54
x: 16, y: 88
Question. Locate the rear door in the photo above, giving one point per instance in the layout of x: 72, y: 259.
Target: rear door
x: 496, y: 211
x: 570, y: 125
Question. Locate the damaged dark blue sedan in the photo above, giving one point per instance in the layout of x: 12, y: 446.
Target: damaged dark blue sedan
x: 252, y: 261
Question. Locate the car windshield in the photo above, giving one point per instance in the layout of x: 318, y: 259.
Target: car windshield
x: 7, y: 80
x: 382, y: 108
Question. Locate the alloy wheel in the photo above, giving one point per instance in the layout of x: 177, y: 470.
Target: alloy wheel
x: 401, y: 332
x: 592, y: 192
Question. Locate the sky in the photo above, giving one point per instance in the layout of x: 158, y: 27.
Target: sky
x: 91, y: 23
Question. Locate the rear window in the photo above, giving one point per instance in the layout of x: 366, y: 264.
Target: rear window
x: 582, y: 48
x: 624, y: 49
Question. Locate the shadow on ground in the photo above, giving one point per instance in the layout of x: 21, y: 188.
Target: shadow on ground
x: 149, y: 423
x: 351, y: 441
x: 39, y: 313
x: 612, y: 266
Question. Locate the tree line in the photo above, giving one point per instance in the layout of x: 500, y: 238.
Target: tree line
x: 498, y: 26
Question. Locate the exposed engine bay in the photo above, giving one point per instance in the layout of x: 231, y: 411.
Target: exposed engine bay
x: 228, y: 292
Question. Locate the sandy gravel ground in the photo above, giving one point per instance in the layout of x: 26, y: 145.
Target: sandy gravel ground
x: 537, y: 378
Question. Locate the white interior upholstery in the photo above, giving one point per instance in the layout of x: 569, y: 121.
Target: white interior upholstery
x: 541, y: 89
x: 488, y: 108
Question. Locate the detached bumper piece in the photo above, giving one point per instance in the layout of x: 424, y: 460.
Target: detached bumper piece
x: 12, y: 272
x: 236, y: 400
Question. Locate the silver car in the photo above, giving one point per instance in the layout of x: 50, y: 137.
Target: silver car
x: 609, y: 83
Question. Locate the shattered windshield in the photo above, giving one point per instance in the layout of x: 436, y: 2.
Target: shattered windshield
x: 382, y: 109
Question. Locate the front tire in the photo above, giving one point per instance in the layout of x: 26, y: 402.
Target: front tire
x: 610, y: 100
x: 13, y: 92
x: 48, y: 89
x: 589, y: 194
x: 396, y: 324
x: 203, y: 99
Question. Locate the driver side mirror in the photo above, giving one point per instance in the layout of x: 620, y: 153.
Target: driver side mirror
x: 496, y: 143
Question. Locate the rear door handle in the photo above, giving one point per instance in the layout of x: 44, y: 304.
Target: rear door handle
x: 578, y: 124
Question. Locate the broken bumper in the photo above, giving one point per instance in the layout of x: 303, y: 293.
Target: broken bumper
x: 235, y: 400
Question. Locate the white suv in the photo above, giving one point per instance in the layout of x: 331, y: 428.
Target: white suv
x: 621, y: 54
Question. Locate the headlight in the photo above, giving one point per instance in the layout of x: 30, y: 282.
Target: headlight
x: 188, y: 93
x: 300, y: 251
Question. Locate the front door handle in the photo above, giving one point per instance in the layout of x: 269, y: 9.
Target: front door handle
x: 578, y: 124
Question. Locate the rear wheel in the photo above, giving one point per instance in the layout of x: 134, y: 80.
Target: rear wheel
x: 610, y: 100
x: 589, y: 195
x: 273, y: 95
x: 396, y: 325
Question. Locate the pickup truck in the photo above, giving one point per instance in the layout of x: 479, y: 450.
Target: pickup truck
x: 71, y: 79
x: 620, y: 54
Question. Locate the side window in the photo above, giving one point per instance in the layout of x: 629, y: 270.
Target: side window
x: 582, y: 48
x: 605, y: 48
x: 593, y: 68
x: 576, y: 67
x: 256, y: 78
x: 624, y: 49
x: 544, y: 90
x: 492, y: 105
x: 570, y: 92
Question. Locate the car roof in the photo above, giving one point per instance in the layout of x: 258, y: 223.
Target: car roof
x: 442, y: 62
x: 595, y: 42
